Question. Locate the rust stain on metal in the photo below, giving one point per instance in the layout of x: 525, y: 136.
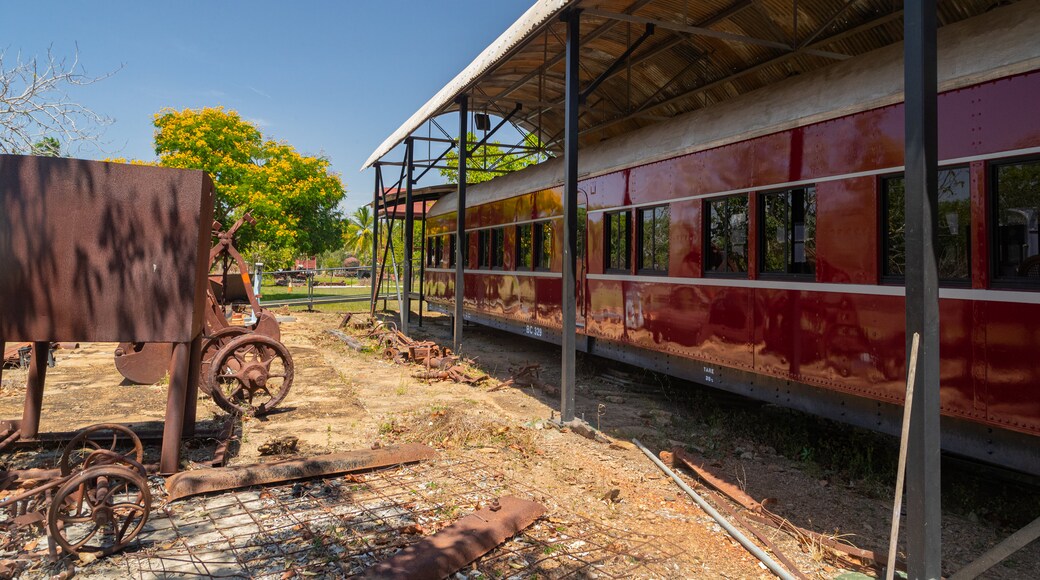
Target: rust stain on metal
x: 447, y: 551
x: 130, y: 266
x: 190, y: 483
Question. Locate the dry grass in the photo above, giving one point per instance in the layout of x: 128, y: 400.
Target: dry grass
x: 452, y: 428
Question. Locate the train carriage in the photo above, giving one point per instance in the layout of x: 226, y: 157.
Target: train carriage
x: 757, y: 246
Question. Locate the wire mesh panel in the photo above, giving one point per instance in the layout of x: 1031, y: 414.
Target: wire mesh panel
x: 340, y: 526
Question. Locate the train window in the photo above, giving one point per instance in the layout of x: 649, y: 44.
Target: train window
x: 433, y: 251
x: 483, y: 248
x: 498, y: 248
x: 524, y: 246
x: 452, y: 250
x: 1016, y: 190
x: 543, y: 245
x: 653, y: 239
x: 954, y: 263
x: 727, y: 223
x: 788, y: 231
x: 619, y: 233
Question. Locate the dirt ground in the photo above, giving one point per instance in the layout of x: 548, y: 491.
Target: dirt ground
x: 343, y: 400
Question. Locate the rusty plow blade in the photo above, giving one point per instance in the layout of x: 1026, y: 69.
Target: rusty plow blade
x: 188, y: 483
x: 444, y: 553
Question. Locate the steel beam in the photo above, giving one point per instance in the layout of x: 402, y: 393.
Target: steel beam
x: 570, y: 216
x: 37, y: 376
x: 549, y: 63
x: 375, y: 235
x: 409, y: 241
x: 709, y: 33
x: 617, y: 64
x: 460, y: 222
x: 505, y: 119
x: 649, y: 105
x: 189, y: 483
x: 923, y: 505
x: 449, y: 550
x: 176, y: 402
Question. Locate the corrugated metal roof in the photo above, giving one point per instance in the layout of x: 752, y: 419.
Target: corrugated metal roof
x: 674, y: 71
x: 996, y: 45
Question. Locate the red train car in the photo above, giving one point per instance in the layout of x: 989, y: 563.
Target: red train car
x: 757, y: 246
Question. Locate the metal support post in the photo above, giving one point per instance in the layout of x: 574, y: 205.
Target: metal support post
x: 422, y: 265
x: 409, y: 241
x: 570, y: 217
x: 191, y: 399
x: 460, y: 221
x: 258, y: 280
x: 922, y: 294
x: 375, y: 235
x: 34, y: 390
x: 176, y: 401
x: 310, y: 291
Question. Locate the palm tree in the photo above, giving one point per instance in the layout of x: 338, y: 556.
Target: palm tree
x: 358, y: 233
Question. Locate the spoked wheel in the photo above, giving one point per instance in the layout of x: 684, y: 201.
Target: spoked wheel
x: 118, y: 439
x: 101, y: 509
x: 211, y: 347
x: 250, y: 375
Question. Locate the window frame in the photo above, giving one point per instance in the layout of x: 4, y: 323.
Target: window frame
x: 451, y: 251
x: 640, y: 222
x: 706, y: 238
x: 760, y: 228
x: 992, y: 227
x: 607, y: 251
x: 497, y: 249
x: 885, y: 239
x: 518, y: 253
x: 538, y: 237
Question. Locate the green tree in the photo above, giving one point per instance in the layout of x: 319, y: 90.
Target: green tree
x: 294, y: 197
x: 488, y: 160
x: 357, y: 235
x: 47, y: 147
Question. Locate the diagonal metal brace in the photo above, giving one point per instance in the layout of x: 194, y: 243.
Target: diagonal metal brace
x: 650, y: 27
x: 998, y: 553
x: 504, y: 120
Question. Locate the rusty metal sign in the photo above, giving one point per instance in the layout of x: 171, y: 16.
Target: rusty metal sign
x: 188, y: 483
x: 447, y: 551
x: 102, y: 252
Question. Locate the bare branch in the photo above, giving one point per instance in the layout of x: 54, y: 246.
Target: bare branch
x: 35, y: 105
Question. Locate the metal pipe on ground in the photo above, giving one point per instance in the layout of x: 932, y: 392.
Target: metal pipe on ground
x: 190, y: 483
x: 715, y: 515
x: 450, y: 549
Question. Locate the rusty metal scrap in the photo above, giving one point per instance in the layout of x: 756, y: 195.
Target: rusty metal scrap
x: 447, y: 551
x: 97, y: 501
x: 438, y: 362
x: 190, y: 483
x: 758, y: 513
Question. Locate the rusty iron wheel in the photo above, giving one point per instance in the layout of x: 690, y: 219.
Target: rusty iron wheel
x: 101, y: 509
x: 211, y: 347
x: 250, y: 375
x: 111, y: 437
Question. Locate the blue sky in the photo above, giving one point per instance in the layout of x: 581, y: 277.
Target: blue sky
x: 332, y: 78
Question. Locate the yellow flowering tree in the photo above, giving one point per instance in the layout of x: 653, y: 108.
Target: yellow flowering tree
x: 294, y: 197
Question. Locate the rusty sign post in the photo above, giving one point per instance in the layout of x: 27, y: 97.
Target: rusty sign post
x: 104, y: 252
